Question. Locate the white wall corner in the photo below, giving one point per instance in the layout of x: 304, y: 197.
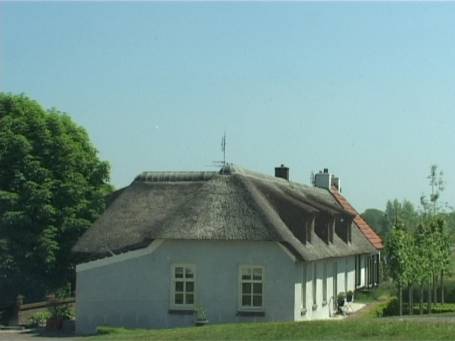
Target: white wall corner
x: 289, y: 253
x: 152, y: 247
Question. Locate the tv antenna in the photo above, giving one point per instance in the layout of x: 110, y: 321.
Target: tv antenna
x: 223, y: 148
x: 223, y: 163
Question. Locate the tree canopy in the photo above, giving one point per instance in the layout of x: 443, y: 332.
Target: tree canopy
x: 418, y: 252
x: 378, y: 220
x: 52, y: 187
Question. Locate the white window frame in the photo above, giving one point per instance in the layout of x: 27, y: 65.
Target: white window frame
x: 241, y: 281
x: 183, y: 306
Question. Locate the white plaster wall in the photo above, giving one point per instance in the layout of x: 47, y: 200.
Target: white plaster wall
x: 341, y: 266
x: 322, y: 310
x: 136, y: 292
x: 350, y: 269
x: 362, y: 271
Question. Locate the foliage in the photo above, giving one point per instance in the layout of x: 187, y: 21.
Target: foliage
x: 201, y: 315
x: 391, y: 308
x: 431, y: 205
x: 419, y: 254
x: 395, y: 211
x: 403, y: 212
x: 340, y: 299
x: 62, y: 311
x: 380, y: 293
x: 377, y: 219
x: 52, y: 187
x: 39, y: 319
x: 349, y: 296
x: 399, y: 253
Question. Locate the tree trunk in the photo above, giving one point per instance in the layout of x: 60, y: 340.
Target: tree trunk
x: 435, y: 289
x: 442, y: 286
x: 429, y: 297
x: 400, y: 294
x: 410, y: 304
x: 421, y: 300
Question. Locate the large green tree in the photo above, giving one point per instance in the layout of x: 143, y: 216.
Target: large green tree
x: 403, y: 211
x: 52, y: 187
x: 378, y: 220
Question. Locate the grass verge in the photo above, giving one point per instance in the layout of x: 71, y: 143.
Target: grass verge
x: 374, y: 329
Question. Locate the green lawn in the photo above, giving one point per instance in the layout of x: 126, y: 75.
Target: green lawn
x: 365, y: 325
x: 355, y: 329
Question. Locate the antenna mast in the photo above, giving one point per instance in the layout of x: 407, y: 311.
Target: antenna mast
x: 223, y: 148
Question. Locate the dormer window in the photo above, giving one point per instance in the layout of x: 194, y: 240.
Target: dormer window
x: 331, y: 229
x: 309, y: 230
x: 343, y: 228
x: 324, y: 228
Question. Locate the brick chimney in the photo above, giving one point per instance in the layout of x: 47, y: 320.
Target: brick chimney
x: 282, y: 172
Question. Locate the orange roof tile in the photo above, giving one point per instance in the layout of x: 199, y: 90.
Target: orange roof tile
x: 363, y: 226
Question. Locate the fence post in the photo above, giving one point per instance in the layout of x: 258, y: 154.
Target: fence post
x: 15, y: 320
x: 51, y: 302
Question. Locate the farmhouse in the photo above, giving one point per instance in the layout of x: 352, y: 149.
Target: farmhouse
x: 240, y: 245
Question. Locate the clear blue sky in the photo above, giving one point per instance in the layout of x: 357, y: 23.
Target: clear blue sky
x: 365, y: 89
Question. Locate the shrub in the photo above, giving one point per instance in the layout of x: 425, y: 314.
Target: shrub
x: 340, y: 299
x: 201, y: 315
x: 392, y: 308
x: 39, y: 319
x: 349, y: 296
x: 62, y: 311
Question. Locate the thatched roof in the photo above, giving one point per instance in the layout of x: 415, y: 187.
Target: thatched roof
x: 233, y: 204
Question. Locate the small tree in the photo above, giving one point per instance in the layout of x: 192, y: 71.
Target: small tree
x: 440, y: 247
x: 422, y: 259
x: 442, y: 252
x: 399, y: 256
x: 432, y: 205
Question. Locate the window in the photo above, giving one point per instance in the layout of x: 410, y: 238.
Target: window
x: 315, y: 278
x: 357, y: 271
x: 331, y: 229
x: 309, y: 229
x: 182, y: 286
x: 323, y: 227
x: 251, y: 287
x: 343, y: 228
x: 324, y: 283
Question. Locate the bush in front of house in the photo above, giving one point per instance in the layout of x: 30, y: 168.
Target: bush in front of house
x: 39, y: 319
x: 201, y: 316
x: 340, y: 300
x: 58, y: 311
x: 392, y: 308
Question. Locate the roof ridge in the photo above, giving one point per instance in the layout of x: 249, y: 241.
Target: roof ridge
x: 175, y: 176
